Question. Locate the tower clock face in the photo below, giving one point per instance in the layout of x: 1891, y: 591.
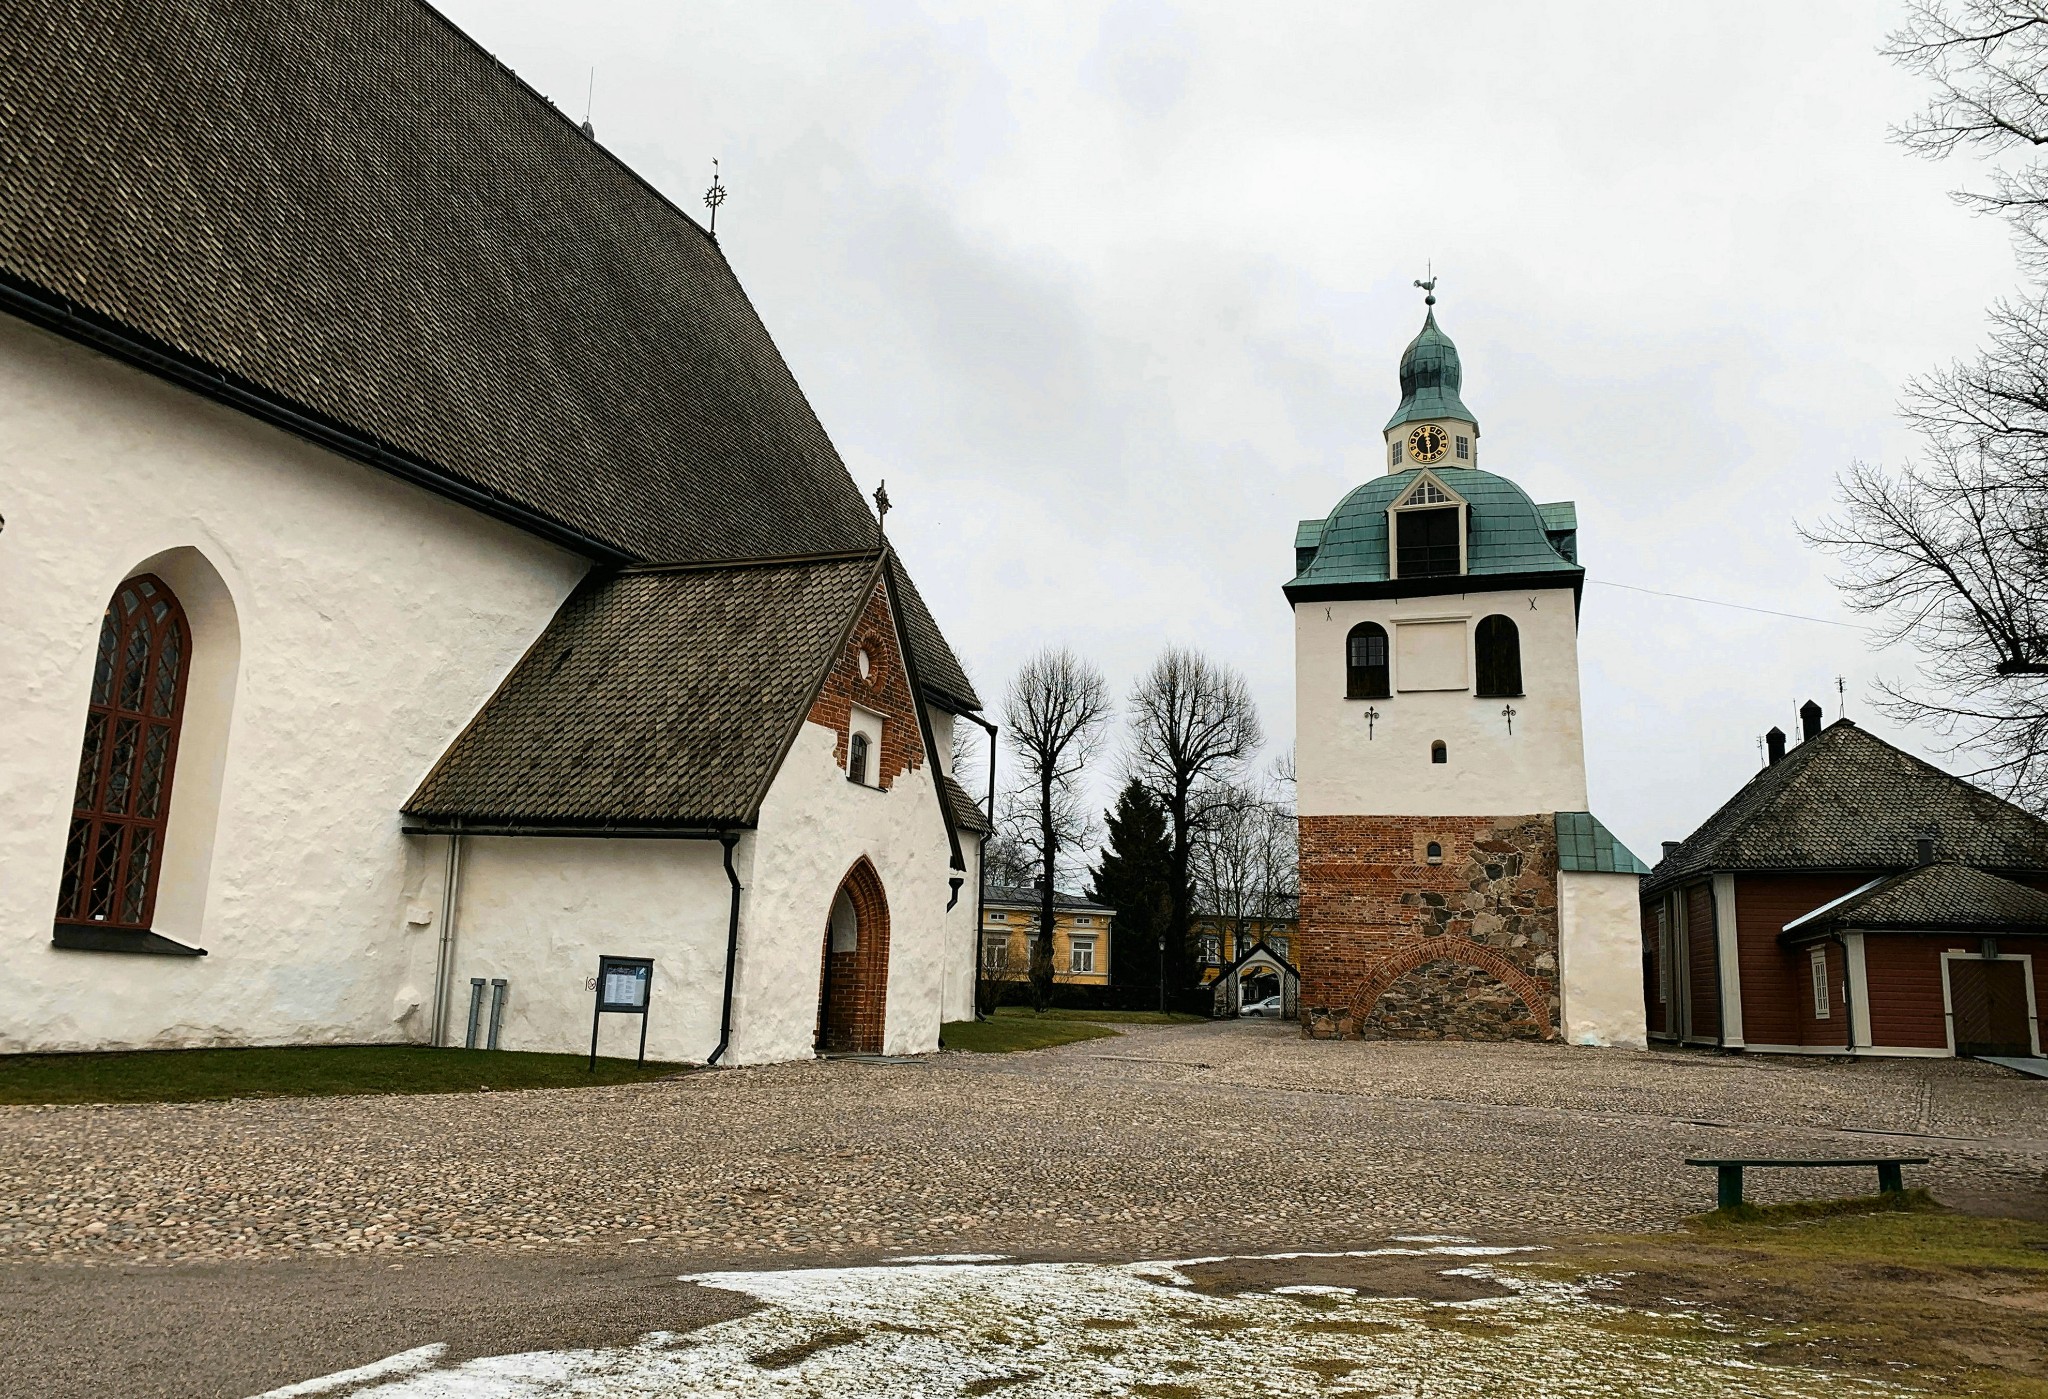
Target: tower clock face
x: 1428, y: 443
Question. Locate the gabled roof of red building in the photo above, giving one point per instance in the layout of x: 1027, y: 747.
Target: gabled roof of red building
x: 1847, y: 800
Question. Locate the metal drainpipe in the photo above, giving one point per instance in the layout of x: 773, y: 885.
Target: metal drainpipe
x: 732, y: 949
x: 444, y: 964
x: 1848, y: 1001
x: 981, y: 860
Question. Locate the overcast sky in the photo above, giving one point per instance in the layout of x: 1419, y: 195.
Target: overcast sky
x: 1113, y: 294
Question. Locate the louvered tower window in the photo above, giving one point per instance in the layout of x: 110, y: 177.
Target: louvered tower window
x: 123, y: 794
x: 1498, y: 644
x: 1365, y: 662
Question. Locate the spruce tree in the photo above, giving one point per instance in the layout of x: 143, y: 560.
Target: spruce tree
x: 1135, y: 877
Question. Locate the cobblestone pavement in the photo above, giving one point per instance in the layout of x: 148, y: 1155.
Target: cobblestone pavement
x: 1161, y: 1141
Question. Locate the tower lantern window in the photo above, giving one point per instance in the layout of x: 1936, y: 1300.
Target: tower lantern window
x: 1464, y: 448
x: 1426, y: 542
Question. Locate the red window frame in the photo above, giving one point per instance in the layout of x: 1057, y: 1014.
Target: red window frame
x: 113, y: 854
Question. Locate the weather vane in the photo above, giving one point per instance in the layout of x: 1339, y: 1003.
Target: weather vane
x: 1429, y: 287
x: 714, y: 196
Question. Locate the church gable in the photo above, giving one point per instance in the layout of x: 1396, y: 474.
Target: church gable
x: 868, y: 694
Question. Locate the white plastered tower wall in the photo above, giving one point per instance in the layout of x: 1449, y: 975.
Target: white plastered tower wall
x: 1599, y: 959
x: 1348, y: 766
x: 346, y: 626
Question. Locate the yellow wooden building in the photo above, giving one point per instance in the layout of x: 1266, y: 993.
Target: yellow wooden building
x: 1080, y: 936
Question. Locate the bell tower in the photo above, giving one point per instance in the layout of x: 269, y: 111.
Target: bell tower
x: 1440, y: 753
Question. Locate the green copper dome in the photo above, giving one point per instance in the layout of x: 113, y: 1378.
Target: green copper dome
x: 1506, y: 533
x: 1430, y: 378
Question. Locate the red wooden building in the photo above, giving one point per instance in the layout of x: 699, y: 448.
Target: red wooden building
x: 1851, y: 899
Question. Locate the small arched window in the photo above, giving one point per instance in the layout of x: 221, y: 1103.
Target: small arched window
x: 1438, y: 753
x: 123, y: 794
x: 1434, y: 853
x: 1365, y: 662
x: 1499, y: 647
x: 857, y: 758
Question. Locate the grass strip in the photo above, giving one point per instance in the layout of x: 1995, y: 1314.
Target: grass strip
x: 1006, y: 1034
x: 314, y: 1071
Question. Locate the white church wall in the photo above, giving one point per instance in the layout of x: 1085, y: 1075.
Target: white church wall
x: 956, y: 995
x: 814, y: 824
x: 1600, y: 959
x: 370, y: 620
x: 540, y: 911
x: 1349, y: 768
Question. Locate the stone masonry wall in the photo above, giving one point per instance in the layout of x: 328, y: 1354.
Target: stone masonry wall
x: 1393, y: 946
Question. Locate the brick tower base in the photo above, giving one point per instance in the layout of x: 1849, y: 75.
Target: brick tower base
x: 1392, y: 946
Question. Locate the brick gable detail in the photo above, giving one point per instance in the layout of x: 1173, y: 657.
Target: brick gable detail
x: 1391, y: 946
x: 886, y: 691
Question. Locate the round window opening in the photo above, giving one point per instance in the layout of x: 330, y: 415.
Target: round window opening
x: 866, y: 666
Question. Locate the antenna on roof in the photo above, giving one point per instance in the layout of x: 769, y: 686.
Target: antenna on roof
x: 589, y: 90
x: 1841, y: 697
x: 714, y: 196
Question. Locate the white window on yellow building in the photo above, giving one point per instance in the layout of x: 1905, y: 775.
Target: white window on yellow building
x: 995, y: 953
x: 1081, y: 954
x: 1209, y: 949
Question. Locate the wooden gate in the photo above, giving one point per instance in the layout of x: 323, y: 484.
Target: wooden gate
x: 1989, y: 1002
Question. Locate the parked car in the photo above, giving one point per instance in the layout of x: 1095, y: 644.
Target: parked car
x: 1269, y: 1008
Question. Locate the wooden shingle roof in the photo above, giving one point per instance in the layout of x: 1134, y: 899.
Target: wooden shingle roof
x: 1847, y: 800
x: 346, y: 213
x: 659, y: 698
x: 1937, y: 898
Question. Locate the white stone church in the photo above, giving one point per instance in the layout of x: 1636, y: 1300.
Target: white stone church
x: 419, y: 568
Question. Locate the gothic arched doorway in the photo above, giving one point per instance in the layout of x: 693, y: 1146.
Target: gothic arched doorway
x: 853, y: 978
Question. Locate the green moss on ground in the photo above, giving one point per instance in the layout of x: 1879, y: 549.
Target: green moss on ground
x: 1005, y: 1034
x: 193, y: 1075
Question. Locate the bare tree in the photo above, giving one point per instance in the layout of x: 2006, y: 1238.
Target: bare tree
x: 1056, y: 710
x: 1244, y: 859
x: 1194, y: 731
x: 1951, y: 553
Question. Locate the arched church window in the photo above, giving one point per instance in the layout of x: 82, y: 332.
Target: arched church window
x: 1438, y: 753
x: 123, y: 795
x: 1365, y: 662
x: 1434, y: 852
x: 857, y: 758
x: 1499, y: 647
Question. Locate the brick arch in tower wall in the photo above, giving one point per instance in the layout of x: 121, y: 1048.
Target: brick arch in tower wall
x: 1403, y: 945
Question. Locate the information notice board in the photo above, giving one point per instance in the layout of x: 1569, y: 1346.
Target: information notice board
x: 624, y: 987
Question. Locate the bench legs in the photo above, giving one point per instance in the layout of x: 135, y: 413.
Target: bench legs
x: 1730, y: 1186
x: 1891, y: 1178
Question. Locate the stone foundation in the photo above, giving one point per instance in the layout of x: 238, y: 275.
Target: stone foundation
x: 1394, y: 945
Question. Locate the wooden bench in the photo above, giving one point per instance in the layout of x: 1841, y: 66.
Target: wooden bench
x: 1891, y: 1178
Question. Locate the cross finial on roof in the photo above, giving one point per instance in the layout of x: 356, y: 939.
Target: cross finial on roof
x: 1429, y: 287
x: 714, y: 196
x: 881, y: 504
